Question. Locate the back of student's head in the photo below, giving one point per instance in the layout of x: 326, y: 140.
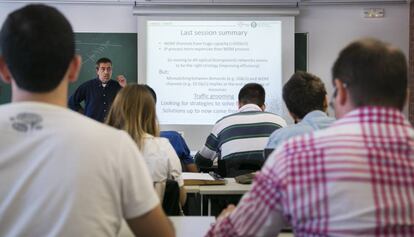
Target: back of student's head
x: 37, y: 44
x: 252, y: 93
x: 133, y: 110
x: 374, y: 72
x: 304, y: 93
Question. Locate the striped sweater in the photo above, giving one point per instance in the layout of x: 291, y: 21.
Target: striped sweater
x: 242, y: 135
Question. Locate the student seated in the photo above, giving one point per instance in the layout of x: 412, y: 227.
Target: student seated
x: 182, y: 150
x: 61, y: 173
x: 178, y: 143
x: 133, y: 110
x: 306, y: 99
x: 238, y: 140
x: 355, y: 178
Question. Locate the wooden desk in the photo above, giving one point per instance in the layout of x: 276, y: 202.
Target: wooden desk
x: 197, y: 226
x: 191, y: 226
x: 185, y: 226
x: 192, y: 188
x: 230, y: 188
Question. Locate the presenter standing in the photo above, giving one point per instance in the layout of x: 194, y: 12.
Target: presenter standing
x: 97, y: 93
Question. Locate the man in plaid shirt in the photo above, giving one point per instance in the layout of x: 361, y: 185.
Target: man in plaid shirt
x: 355, y: 178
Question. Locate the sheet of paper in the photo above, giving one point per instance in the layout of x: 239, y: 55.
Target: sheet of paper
x: 196, y: 176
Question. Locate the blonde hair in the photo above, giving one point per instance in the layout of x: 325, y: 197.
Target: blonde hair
x: 133, y: 110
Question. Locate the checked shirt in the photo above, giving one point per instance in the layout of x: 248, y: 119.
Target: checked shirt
x: 355, y: 178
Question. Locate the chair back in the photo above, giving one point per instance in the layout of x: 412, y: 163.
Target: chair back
x: 160, y: 189
x: 171, y: 200
x: 233, y: 167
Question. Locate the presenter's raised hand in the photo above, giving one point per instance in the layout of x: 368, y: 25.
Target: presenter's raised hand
x: 121, y: 80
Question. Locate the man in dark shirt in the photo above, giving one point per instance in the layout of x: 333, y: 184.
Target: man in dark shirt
x: 97, y: 93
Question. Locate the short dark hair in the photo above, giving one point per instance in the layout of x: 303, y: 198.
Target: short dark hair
x: 103, y: 60
x: 374, y: 72
x: 304, y: 93
x: 37, y: 44
x: 153, y: 94
x: 252, y: 93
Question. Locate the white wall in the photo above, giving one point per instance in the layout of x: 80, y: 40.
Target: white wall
x: 89, y: 17
x: 330, y: 28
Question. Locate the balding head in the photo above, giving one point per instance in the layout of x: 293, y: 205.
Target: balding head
x: 374, y: 72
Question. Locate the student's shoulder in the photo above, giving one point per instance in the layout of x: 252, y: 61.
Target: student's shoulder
x: 164, y: 145
x: 6, y: 107
x: 170, y: 134
x: 86, y: 125
x: 68, y: 125
x: 272, y: 117
x: 162, y: 142
x: 302, y: 139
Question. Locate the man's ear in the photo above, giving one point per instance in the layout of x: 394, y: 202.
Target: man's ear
x: 342, y: 92
x: 294, y: 117
x: 325, y: 103
x: 5, y: 74
x: 74, y: 68
x: 407, y: 97
x: 406, y: 100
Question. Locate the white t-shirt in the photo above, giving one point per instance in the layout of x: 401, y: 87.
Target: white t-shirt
x: 63, y: 174
x: 161, y: 159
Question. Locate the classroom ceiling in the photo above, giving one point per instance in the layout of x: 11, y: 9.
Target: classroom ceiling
x: 219, y: 2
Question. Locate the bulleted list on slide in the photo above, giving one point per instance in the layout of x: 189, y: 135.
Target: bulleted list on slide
x: 198, y: 67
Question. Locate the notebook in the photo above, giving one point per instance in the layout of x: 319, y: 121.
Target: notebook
x: 202, y: 179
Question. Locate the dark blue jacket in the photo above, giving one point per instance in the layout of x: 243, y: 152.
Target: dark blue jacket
x: 179, y: 145
x: 97, y: 98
